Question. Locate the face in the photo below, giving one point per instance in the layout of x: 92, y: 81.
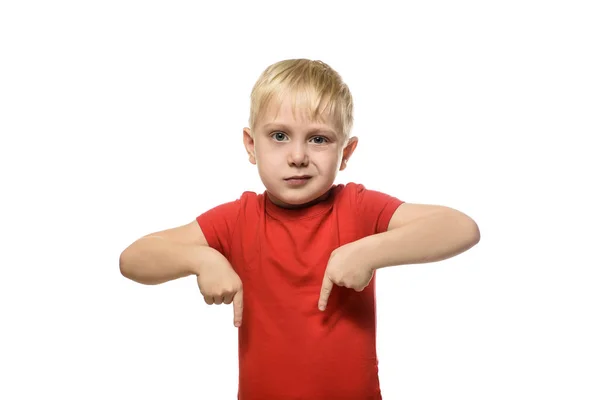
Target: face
x: 297, y: 159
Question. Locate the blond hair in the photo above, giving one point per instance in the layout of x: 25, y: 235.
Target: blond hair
x: 313, y: 85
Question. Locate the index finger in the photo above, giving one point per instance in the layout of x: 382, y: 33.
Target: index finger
x: 238, y: 306
x: 325, y: 292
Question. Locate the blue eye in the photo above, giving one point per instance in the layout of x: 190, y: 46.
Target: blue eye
x: 279, y: 136
x: 320, y: 140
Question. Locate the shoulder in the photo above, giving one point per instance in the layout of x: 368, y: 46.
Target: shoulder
x: 248, y: 206
x: 354, y: 187
x: 349, y: 187
x: 373, y: 208
x: 220, y: 222
x: 252, y: 201
x: 232, y: 209
x: 359, y: 193
x: 346, y: 191
x: 245, y: 199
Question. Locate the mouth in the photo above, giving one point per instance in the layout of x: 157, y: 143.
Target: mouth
x: 298, y: 180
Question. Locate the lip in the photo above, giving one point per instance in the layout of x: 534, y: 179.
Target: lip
x: 298, y: 180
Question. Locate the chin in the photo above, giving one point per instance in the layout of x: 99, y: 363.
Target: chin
x: 298, y: 197
x: 294, y: 199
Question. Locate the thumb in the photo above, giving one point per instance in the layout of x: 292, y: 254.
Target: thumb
x: 325, y: 292
x: 238, y: 306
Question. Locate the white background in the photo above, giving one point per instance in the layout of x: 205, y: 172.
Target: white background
x: 121, y: 118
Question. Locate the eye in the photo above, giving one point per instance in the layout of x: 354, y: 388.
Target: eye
x: 320, y: 140
x: 279, y: 136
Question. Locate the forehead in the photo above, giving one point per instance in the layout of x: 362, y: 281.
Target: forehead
x: 296, y: 111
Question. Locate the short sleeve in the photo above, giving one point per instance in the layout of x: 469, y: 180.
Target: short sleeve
x: 218, y: 225
x: 375, y: 209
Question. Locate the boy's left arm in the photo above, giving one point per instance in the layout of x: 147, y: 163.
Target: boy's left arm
x: 421, y: 233
x: 417, y: 233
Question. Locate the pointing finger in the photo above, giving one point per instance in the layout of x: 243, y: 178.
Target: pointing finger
x: 325, y: 292
x: 238, y: 307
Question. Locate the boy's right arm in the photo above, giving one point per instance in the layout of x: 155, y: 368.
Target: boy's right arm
x: 166, y: 255
x: 182, y: 251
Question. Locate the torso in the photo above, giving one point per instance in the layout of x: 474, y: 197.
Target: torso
x: 288, y: 349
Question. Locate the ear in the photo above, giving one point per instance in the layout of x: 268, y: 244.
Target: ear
x: 347, y: 152
x: 249, y: 145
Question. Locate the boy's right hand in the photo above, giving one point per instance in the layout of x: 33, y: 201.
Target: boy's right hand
x: 219, y: 283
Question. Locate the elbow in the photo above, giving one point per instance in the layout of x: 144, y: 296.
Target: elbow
x: 130, y: 266
x: 467, y: 229
x: 124, y: 264
x: 473, y: 234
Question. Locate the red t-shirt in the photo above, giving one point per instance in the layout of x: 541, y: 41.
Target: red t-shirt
x: 288, y: 348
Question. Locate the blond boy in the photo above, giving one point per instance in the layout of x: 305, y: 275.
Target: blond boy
x: 298, y: 261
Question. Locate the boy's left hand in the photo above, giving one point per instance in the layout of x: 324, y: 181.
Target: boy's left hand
x: 347, y: 267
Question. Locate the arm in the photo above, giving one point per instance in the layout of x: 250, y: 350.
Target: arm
x: 416, y: 233
x: 182, y: 251
x: 421, y: 233
x: 167, y: 255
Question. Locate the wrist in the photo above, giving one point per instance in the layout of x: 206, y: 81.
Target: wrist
x: 368, y: 249
x: 198, y: 257
x: 202, y: 257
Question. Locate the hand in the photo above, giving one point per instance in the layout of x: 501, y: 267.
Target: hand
x: 347, y: 267
x: 219, y: 283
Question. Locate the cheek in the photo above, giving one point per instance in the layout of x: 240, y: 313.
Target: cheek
x: 327, y: 160
x: 266, y: 158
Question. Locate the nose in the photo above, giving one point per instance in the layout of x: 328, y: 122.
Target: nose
x: 298, y: 157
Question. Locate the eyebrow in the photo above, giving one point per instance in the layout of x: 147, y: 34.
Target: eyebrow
x: 273, y: 126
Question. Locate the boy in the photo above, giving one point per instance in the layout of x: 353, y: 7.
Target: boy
x: 298, y: 261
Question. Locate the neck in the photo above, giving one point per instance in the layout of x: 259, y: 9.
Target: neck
x: 282, y: 204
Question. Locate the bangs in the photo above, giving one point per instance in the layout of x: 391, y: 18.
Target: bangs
x: 315, y: 91
x: 306, y: 103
